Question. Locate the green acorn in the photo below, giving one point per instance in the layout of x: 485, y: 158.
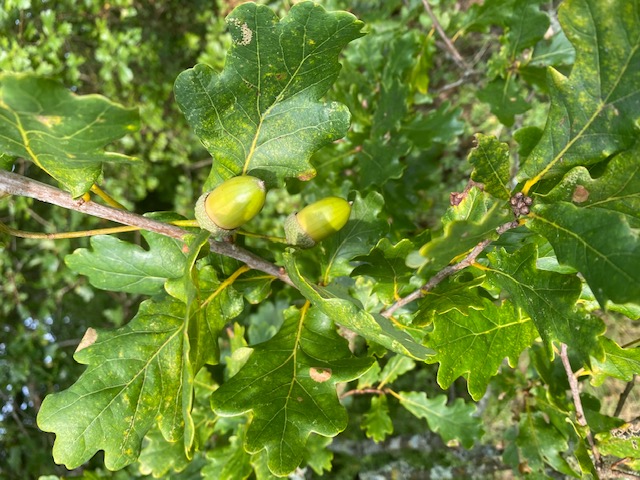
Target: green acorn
x: 317, y: 221
x: 231, y: 204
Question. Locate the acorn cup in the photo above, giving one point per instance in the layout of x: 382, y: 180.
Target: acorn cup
x: 230, y: 205
x: 317, y: 221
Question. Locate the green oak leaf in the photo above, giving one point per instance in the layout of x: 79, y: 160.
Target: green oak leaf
x: 344, y: 311
x: 617, y: 189
x: 526, y: 26
x: 379, y: 159
x: 582, y: 238
x: 539, y: 442
x: 491, y: 165
x: 262, y: 113
x: 116, y: 265
x: 230, y: 462
x: 505, y: 99
x: 159, y: 456
x: 133, y: 380
x: 441, y: 125
x: 454, y: 293
x: 396, y: 366
x: 288, y: 383
x: 594, y: 112
x: 317, y: 454
x: 386, y: 264
x: 549, y: 298
x: 377, y: 422
x: 455, y: 422
x: 357, y: 237
x: 490, y: 333
x: 62, y: 133
x: 473, y: 220
x: 622, y: 363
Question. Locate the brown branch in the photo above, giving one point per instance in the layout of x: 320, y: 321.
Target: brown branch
x: 575, y: 395
x: 364, y: 391
x: 447, y: 271
x: 448, y: 43
x: 14, y: 184
x: 623, y: 396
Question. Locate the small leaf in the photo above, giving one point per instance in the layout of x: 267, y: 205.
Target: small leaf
x: 465, y: 225
x: 454, y: 423
x: 490, y: 333
x: 276, y: 385
x: 377, y: 422
x: 622, y: 363
x: 62, y: 133
x: 230, y: 462
x: 396, y: 366
x: 549, y: 298
x: 539, y: 442
x: 386, y: 264
x: 116, y: 265
x: 594, y: 111
x: 582, y: 238
x: 505, y: 99
x: 491, y: 165
x: 262, y: 112
x: 373, y: 327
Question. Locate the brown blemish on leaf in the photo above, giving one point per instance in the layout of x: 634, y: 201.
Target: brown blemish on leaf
x: 580, y: 194
x: 306, y: 176
x: 320, y: 375
x: 90, y: 337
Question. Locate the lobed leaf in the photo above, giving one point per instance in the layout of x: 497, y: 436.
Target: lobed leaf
x: 134, y: 378
x: 594, y: 111
x: 116, y: 265
x: 549, y: 298
x: 491, y: 165
x: 618, y: 362
x: 454, y: 422
x: 62, y: 133
x: 377, y: 422
x: 262, y: 113
x: 488, y: 333
x: 582, y: 238
x: 288, y: 383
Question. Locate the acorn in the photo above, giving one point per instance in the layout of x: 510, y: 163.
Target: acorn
x: 231, y: 204
x: 317, y: 221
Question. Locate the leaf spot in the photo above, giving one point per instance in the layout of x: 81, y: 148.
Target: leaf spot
x: 320, y: 375
x: 49, y: 120
x: 580, y: 194
x: 90, y: 337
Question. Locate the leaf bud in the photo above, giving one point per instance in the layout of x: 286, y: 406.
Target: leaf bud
x: 317, y: 221
x: 231, y: 204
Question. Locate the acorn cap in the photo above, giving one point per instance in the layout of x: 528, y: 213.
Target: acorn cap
x: 317, y: 221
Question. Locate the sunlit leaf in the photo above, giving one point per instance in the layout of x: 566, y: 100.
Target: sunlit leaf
x: 262, y: 113
x: 288, y: 383
x: 64, y: 134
